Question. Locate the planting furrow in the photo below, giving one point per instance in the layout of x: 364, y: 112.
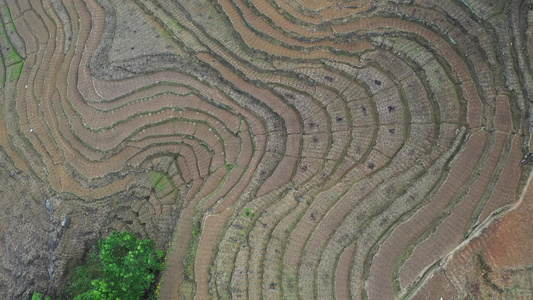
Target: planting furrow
x: 453, y: 229
x: 414, y: 197
x: 248, y: 162
x: 316, y: 213
x: 239, y: 278
x: 183, y: 234
x: 342, y: 273
x: 231, y: 240
x: 256, y: 43
x: 404, y: 234
x: 145, y: 94
x: 287, y: 17
x: 505, y: 191
x: 368, y: 223
x: 258, y: 240
x: 449, y: 54
x: 342, y: 207
x: 273, y: 261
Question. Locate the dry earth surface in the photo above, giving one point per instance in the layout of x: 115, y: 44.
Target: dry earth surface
x: 299, y: 149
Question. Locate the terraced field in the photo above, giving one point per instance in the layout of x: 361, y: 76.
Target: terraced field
x: 297, y: 149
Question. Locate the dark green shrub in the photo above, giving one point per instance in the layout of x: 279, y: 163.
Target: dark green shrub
x: 83, y: 276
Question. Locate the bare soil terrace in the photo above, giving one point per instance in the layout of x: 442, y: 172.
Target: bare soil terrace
x: 273, y: 149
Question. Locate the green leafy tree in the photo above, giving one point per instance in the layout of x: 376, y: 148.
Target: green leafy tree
x: 128, y: 268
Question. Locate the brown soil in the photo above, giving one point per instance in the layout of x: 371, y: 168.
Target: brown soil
x: 493, y: 263
x: 205, y: 248
x: 349, y: 149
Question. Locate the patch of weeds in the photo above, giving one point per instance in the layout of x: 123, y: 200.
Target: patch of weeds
x: 15, y: 71
x: 13, y: 55
x: 13, y: 58
x: 248, y: 213
x: 163, y: 184
x: 290, y: 283
x: 515, y: 290
x: 154, y: 177
x: 159, y: 181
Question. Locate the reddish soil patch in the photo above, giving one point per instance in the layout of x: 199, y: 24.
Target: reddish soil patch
x: 510, y: 240
x: 438, y: 287
x: 496, y: 263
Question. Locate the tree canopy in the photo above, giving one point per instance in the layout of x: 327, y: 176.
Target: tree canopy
x: 128, y: 268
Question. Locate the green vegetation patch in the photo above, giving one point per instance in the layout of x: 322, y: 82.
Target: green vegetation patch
x: 11, y: 61
x: 119, y: 267
x: 248, y: 213
x: 38, y: 296
x: 162, y: 184
x: 10, y: 55
x: 15, y: 71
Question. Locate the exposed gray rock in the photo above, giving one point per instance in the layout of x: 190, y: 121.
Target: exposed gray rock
x: 66, y: 221
x: 49, y: 206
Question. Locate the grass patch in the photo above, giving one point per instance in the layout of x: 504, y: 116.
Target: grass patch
x: 11, y: 60
x: 161, y: 183
x: 12, y: 56
x: 15, y: 71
